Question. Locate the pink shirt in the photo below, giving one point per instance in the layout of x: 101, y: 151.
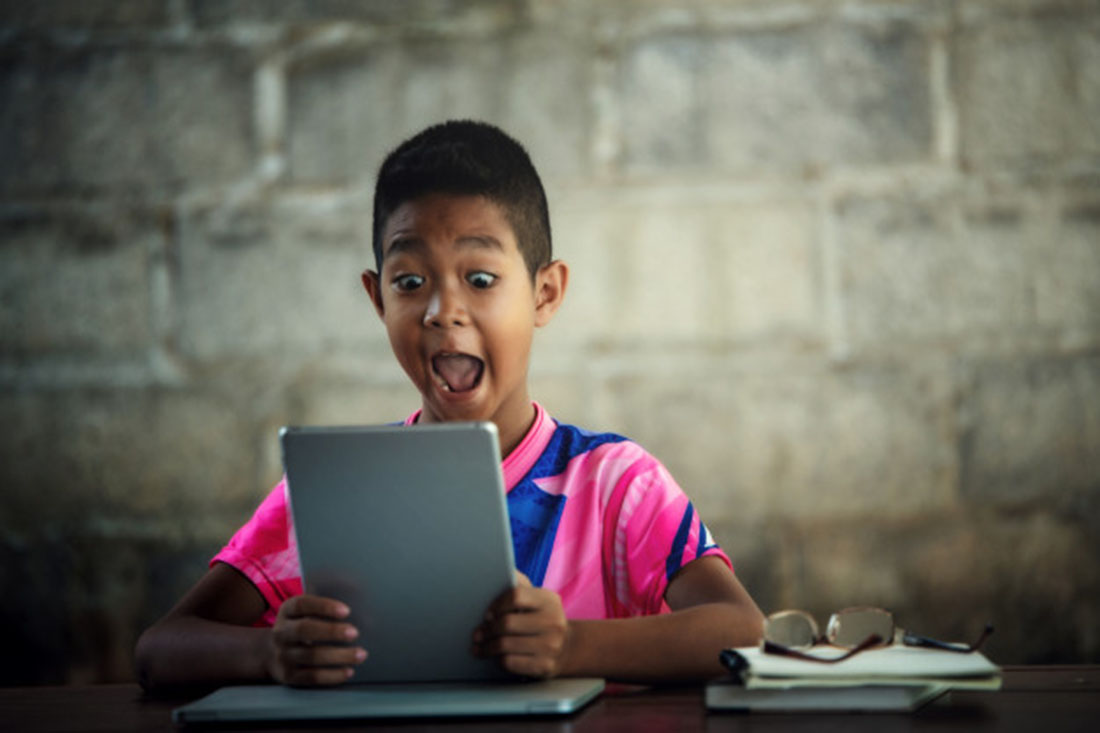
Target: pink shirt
x: 594, y: 517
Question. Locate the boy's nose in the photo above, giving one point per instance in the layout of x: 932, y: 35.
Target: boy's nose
x: 444, y: 310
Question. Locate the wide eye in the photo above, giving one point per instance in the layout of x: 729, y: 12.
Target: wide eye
x: 407, y: 283
x: 481, y: 280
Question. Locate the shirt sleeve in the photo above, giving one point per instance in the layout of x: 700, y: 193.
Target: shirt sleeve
x: 265, y: 551
x: 657, y: 531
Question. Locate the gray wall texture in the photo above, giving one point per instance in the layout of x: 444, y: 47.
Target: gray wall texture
x: 836, y: 263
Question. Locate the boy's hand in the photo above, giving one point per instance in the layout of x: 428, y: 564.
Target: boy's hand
x: 310, y: 645
x: 526, y: 628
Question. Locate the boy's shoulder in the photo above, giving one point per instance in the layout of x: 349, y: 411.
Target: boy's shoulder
x: 578, y: 439
x: 571, y: 444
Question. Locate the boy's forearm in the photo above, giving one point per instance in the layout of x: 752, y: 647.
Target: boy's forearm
x: 678, y: 646
x: 191, y: 650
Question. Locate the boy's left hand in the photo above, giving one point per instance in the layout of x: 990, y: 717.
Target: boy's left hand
x: 526, y: 628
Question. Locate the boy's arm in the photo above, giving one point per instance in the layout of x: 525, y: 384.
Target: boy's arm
x: 711, y: 610
x: 209, y: 638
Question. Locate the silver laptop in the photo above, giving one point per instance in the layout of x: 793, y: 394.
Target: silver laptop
x: 251, y: 703
x: 408, y: 526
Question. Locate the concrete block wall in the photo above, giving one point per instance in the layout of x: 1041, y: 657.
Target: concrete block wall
x: 836, y: 263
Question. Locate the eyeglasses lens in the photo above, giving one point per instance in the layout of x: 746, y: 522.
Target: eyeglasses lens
x: 851, y: 627
x: 792, y: 629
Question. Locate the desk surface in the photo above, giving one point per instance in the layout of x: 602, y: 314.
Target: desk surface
x: 1046, y: 699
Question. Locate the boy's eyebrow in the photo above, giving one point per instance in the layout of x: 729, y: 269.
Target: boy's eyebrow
x: 480, y: 241
x: 414, y: 244
x: 404, y: 244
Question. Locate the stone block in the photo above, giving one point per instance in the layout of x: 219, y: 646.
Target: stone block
x: 986, y: 567
x: 438, y: 81
x: 684, y: 269
x: 1030, y: 432
x: 789, y: 442
x: 75, y: 281
x: 96, y: 14
x: 279, y: 278
x: 319, y: 401
x: 123, y: 117
x: 340, y: 114
x: 349, y: 108
x: 839, y: 562
x: 110, y: 462
x: 1027, y: 90
x: 357, y: 389
x: 664, y: 276
x: 1086, y: 58
x: 756, y: 550
x: 546, y: 104
x: 590, y: 231
x: 798, y: 100
x: 433, y: 14
x: 1067, y: 289
x: 921, y: 271
x: 568, y: 397
x: 662, y: 104
x: 777, y: 101
x: 768, y: 266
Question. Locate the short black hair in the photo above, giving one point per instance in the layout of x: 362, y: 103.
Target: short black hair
x: 467, y: 158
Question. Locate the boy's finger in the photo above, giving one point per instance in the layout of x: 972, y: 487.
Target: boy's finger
x: 502, y: 604
x: 324, y: 656
x: 528, y: 665
x: 308, y: 605
x: 536, y: 644
x: 523, y: 580
x: 315, y: 631
x: 524, y: 624
x: 318, y: 676
x: 522, y: 598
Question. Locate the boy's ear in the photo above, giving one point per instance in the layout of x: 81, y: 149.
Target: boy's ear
x: 550, y: 284
x: 373, y: 287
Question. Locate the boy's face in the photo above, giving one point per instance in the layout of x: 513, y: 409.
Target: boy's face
x: 460, y: 308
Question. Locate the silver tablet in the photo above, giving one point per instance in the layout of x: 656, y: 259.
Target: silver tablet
x: 409, y: 527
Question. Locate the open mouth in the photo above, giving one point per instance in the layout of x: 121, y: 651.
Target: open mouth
x: 457, y: 372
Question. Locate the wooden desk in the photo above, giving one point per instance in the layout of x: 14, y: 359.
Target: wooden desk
x: 1045, y: 699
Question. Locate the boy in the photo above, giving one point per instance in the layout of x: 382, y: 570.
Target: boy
x: 624, y: 583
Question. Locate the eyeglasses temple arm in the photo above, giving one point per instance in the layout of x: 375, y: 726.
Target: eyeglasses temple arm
x: 770, y: 647
x: 916, y: 640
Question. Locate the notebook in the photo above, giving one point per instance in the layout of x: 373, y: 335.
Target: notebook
x: 896, y: 678
x: 409, y: 526
x: 734, y: 697
x: 894, y: 665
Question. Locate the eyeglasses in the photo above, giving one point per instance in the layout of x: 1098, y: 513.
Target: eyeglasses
x: 855, y: 629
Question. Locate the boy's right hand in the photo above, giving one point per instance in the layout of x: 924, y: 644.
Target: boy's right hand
x: 311, y: 644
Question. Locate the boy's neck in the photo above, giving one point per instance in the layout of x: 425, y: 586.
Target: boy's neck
x: 511, y: 437
x: 512, y: 424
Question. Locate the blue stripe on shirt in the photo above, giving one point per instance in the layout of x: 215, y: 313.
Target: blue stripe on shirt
x: 675, y: 558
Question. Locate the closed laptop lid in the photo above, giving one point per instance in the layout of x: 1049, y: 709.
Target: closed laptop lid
x: 245, y: 703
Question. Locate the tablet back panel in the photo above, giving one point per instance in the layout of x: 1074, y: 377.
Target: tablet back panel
x: 409, y: 527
